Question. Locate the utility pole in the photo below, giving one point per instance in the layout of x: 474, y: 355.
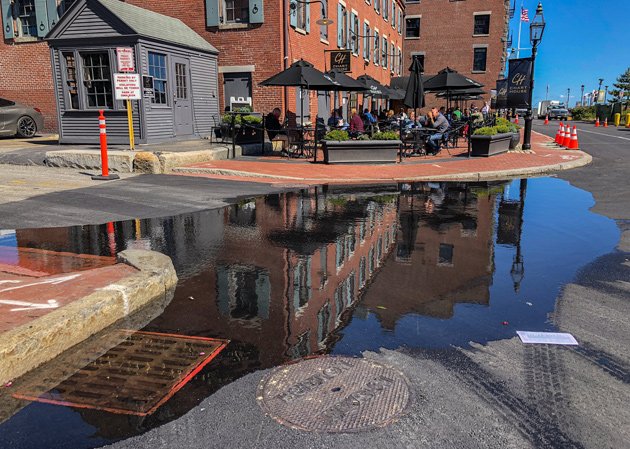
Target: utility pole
x: 568, y: 96
x: 605, y: 93
x: 547, y: 93
x: 582, y: 98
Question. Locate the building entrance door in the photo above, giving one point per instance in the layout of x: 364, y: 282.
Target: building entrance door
x: 182, y: 103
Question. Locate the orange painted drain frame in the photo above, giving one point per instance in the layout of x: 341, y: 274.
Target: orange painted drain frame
x: 135, y: 377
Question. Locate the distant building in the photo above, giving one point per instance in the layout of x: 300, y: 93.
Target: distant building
x: 469, y: 36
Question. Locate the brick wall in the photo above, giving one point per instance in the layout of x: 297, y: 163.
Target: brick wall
x: 446, y: 38
x: 26, y: 77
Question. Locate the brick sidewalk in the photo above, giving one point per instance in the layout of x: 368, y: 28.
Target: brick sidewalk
x: 275, y: 170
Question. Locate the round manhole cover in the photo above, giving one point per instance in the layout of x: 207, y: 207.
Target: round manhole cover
x: 334, y: 394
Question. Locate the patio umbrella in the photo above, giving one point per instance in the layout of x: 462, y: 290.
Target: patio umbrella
x: 472, y: 91
x: 448, y: 79
x: 346, y: 84
x: 372, y: 87
x: 414, y: 96
x: 301, y: 74
x: 396, y: 94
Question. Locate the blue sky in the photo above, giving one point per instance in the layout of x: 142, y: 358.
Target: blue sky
x: 584, y: 40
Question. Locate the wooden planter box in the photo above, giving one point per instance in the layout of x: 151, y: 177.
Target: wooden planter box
x: 360, y: 151
x: 490, y: 145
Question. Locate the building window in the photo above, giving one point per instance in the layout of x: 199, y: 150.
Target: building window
x: 479, y: 62
x: 400, y: 19
x: 400, y: 61
x: 181, y: 82
x: 342, y: 27
x: 354, y: 33
x: 377, y: 45
x: 366, y: 41
x: 323, y: 29
x: 377, y: 6
x: 385, y: 55
x: 157, y: 69
x: 97, y: 80
x: 385, y: 9
x: 412, y: 28
x: 482, y: 24
x: 236, y: 11
x: 71, y: 81
x: 26, y: 20
x: 420, y: 58
x: 394, y: 14
x: 301, y: 15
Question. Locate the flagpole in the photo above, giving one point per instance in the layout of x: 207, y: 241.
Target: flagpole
x: 520, y: 22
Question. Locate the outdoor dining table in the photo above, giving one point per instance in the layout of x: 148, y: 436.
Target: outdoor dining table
x: 420, y: 137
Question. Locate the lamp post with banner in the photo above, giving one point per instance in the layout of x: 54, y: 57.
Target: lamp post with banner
x: 536, y: 31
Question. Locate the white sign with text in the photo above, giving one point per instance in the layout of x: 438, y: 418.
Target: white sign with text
x: 127, y: 86
x: 126, y: 61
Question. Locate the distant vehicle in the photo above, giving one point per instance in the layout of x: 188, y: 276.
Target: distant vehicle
x: 544, y: 106
x: 19, y: 120
x: 558, y: 113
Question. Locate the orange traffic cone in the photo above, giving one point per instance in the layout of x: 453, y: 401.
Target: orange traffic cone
x: 597, y: 122
x: 561, y: 139
x: 573, y: 143
x: 567, y: 136
x: 516, y: 119
x: 606, y: 122
x: 546, y: 119
x: 558, y: 134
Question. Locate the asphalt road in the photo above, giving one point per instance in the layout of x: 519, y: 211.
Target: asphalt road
x: 501, y: 395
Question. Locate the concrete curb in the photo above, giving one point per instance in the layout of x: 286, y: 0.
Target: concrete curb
x: 494, y: 175
x: 119, y: 161
x: 28, y: 346
x: 168, y: 161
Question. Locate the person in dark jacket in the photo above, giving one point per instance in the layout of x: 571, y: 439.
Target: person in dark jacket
x: 272, y: 123
x: 356, y: 124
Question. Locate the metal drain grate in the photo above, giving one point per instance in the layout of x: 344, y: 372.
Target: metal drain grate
x: 334, y: 394
x: 135, y: 377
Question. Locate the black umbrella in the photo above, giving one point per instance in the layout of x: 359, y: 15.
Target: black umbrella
x: 414, y: 96
x: 396, y: 94
x: 345, y: 83
x: 400, y: 82
x: 448, y: 79
x: 302, y: 74
x: 372, y: 87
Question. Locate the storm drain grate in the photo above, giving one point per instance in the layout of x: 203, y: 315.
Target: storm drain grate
x: 135, y: 377
x: 334, y: 394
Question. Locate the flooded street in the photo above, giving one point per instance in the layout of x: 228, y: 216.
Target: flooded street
x: 333, y: 270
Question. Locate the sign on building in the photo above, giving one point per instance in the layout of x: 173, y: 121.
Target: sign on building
x: 147, y: 86
x: 127, y: 86
x: 126, y: 61
x: 340, y: 60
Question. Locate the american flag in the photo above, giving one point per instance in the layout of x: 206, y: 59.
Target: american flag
x: 524, y: 15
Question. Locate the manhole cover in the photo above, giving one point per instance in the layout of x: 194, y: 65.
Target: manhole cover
x: 334, y: 394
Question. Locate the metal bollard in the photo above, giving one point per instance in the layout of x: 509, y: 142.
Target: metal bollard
x: 102, y: 128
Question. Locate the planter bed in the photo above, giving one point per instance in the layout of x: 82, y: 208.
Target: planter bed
x: 360, y: 151
x: 485, y: 146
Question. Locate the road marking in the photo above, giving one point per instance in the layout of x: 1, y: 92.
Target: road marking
x: 53, y: 281
x: 50, y: 304
x: 603, y: 134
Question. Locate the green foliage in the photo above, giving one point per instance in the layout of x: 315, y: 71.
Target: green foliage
x: 227, y: 118
x: 364, y: 137
x: 252, y: 119
x: 583, y: 113
x: 506, y: 124
x: 486, y: 131
x: 504, y: 129
x: 244, y: 109
x: 386, y: 135
x: 337, y: 134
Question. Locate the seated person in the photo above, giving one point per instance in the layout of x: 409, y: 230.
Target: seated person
x: 368, y: 116
x: 438, y: 122
x: 272, y: 123
x: 333, y: 119
x: 356, y: 124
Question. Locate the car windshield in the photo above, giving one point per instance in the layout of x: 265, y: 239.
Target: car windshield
x: 4, y: 103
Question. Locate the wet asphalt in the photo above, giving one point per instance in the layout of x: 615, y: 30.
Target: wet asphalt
x: 501, y: 395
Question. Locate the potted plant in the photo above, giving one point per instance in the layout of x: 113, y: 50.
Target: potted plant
x: 488, y: 141
x: 506, y: 126
x: 382, y: 147
x: 247, y: 127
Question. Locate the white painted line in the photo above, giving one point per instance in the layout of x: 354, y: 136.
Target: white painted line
x: 547, y: 338
x: 53, y: 281
x: 50, y: 304
x: 602, y: 134
x: 436, y: 165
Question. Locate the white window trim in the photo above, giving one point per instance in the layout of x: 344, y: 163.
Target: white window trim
x: 404, y: 28
x: 376, y: 31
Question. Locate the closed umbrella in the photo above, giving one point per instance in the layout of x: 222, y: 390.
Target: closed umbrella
x: 414, y: 96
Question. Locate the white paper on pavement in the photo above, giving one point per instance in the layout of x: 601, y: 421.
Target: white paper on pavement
x: 547, y: 338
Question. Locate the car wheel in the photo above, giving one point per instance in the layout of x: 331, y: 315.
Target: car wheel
x: 26, y: 127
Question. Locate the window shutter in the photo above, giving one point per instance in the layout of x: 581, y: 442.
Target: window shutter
x: 53, y: 13
x: 7, y: 19
x: 212, y: 13
x: 293, y: 7
x: 41, y: 17
x: 256, y: 11
x: 308, y: 18
x: 339, y: 26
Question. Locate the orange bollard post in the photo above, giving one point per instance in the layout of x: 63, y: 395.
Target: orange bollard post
x: 573, y: 143
x: 104, y: 176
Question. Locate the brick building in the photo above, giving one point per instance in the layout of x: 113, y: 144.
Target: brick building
x: 469, y: 36
x: 255, y: 39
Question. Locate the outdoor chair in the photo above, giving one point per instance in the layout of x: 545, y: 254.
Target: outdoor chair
x: 215, y: 131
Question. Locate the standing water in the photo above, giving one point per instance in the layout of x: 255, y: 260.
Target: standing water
x: 336, y: 270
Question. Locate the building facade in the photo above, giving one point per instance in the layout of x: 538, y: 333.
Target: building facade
x: 469, y: 36
x: 255, y: 38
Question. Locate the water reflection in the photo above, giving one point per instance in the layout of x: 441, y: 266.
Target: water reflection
x: 344, y: 270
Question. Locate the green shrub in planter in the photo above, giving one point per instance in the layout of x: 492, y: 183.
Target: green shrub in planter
x: 386, y: 135
x: 486, y: 131
x: 337, y: 134
x: 252, y: 119
x: 504, y: 129
x: 227, y: 118
x: 512, y: 127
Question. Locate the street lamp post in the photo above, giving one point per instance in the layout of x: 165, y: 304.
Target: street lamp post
x: 605, y: 93
x: 582, y: 97
x: 536, y: 30
x: 568, y: 96
x: 599, y: 89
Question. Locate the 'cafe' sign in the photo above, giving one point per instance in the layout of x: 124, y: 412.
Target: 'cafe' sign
x: 340, y: 60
